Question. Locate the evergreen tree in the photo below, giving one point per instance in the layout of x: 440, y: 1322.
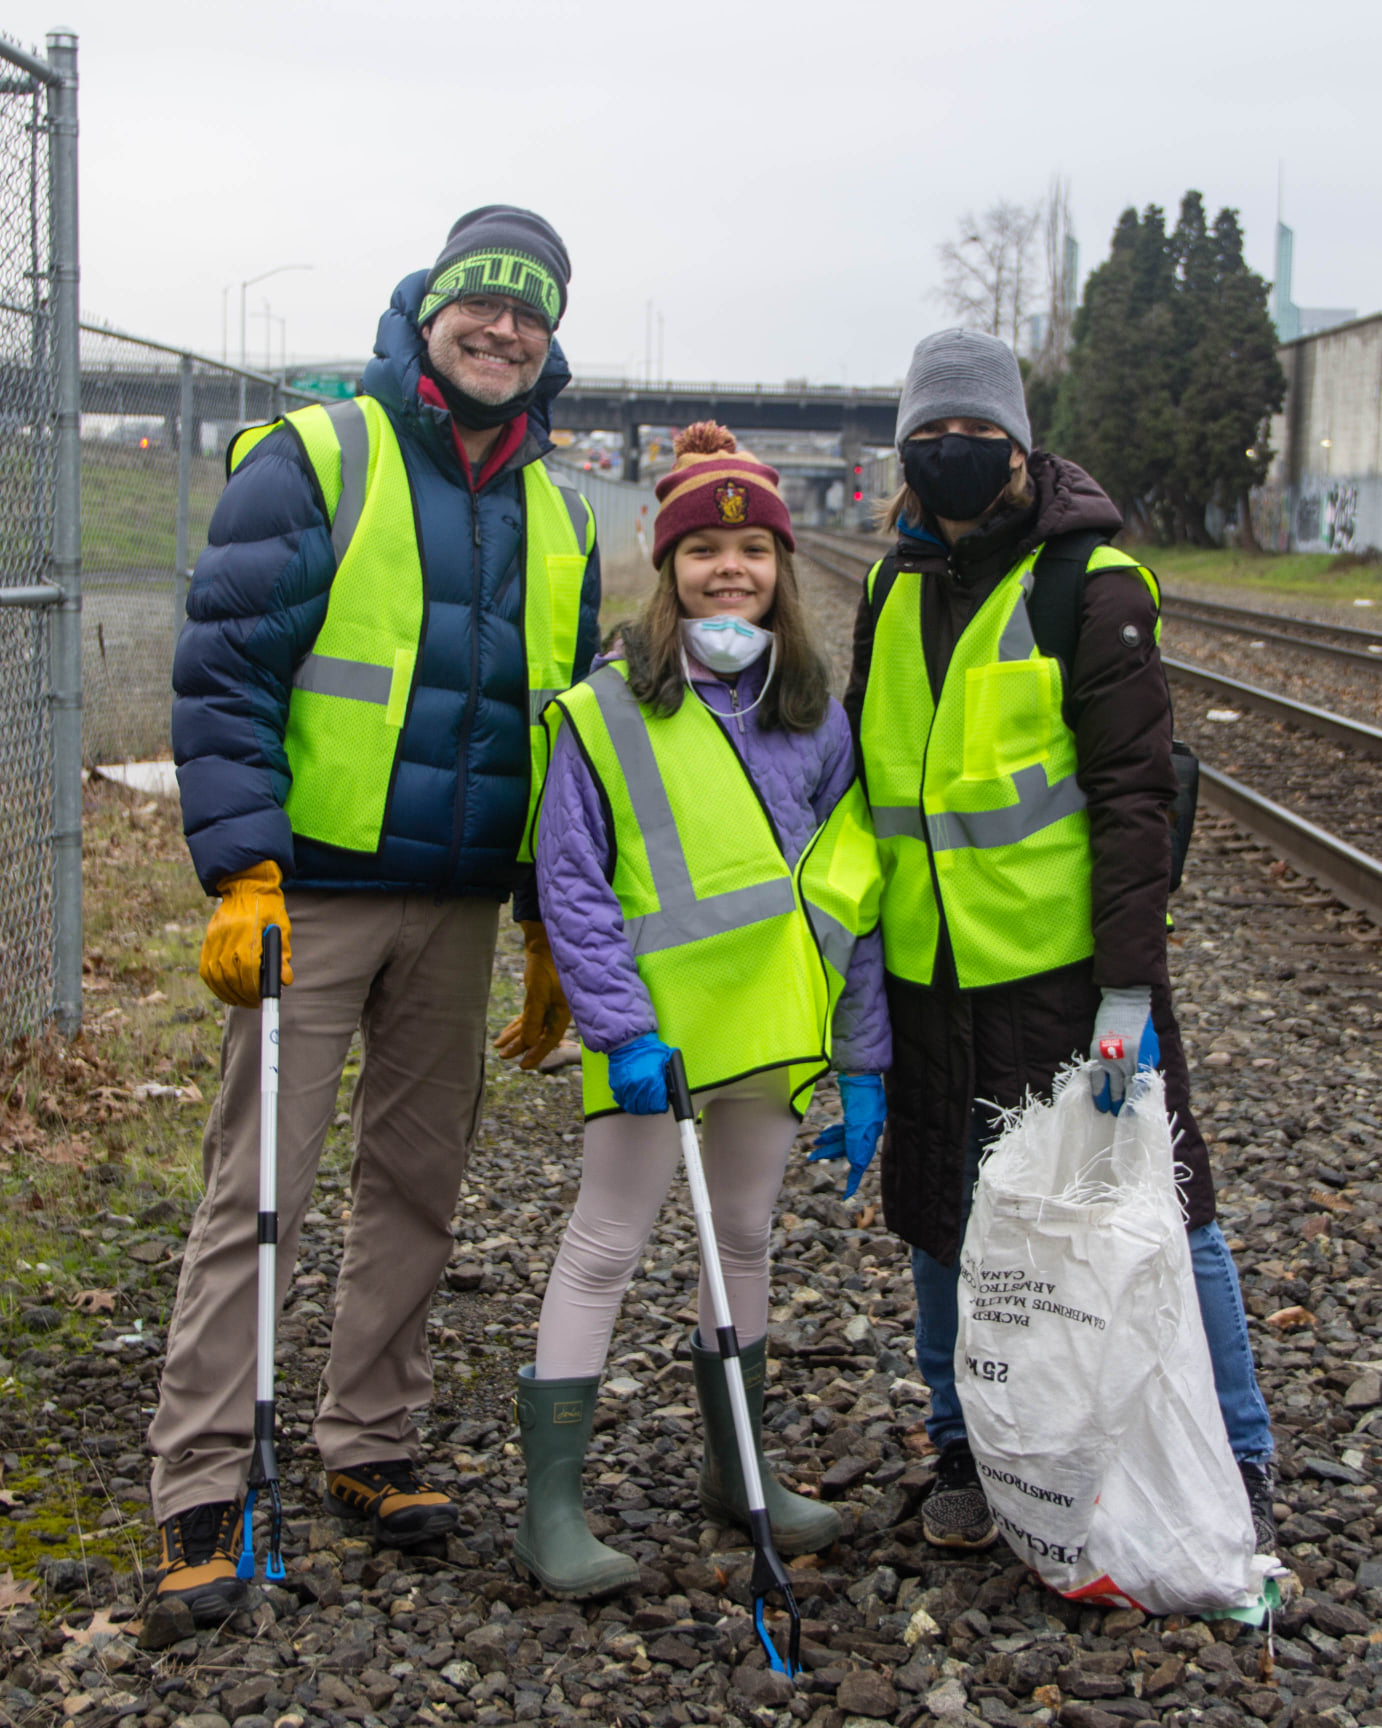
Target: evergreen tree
x: 1234, y: 384
x: 1173, y: 372
x: 1115, y: 413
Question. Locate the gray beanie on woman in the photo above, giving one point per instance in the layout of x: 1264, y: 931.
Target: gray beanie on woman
x: 964, y: 374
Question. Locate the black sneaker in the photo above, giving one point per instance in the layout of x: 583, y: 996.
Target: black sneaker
x: 403, y: 1510
x: 1260, y: 1482
x: 197, y: 1564
x: 955, y: 1514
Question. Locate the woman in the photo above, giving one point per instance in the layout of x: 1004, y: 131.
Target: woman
x: 1007, y: 683
x: 708, y: 881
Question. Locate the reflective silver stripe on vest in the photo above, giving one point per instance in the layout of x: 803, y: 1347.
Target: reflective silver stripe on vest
x: 682, y: 917
x: 1017, y: 640
x: 352, y: 433
x: 837, y: 942
x: 575, y: 509
x: 537, y: 701
x: 676, y: 926
x: 356, y: 679
x: 1038, y: 806
x: 897, y: 821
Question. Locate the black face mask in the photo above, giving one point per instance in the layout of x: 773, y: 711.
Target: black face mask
x: 957, y: 476
x: 478, y: 416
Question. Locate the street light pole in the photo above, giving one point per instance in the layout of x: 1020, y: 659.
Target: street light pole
x: 248, y: 283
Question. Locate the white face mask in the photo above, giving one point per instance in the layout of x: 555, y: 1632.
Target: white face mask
x: 728, y: 645
x: 725, y: 643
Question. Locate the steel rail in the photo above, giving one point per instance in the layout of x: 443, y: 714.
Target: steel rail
x: 1354, y: 734
x: 1241, y: 614
x: 1365, y: 656
x: 827, y: 547
x: 1354, y: 876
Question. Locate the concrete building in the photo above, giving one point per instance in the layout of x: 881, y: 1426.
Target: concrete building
x: 1324, y: 490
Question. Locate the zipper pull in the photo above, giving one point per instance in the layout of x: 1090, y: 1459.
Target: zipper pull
x: 734, y: 704
x: 474, y: 522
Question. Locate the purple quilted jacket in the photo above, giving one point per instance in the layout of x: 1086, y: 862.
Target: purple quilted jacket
x: 800, y: 778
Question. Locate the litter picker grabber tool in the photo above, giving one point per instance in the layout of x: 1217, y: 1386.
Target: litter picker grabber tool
x: 264, y: 1462
x: 768, y: 1571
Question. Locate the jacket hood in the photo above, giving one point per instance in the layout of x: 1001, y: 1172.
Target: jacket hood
x: 392, y: 375
x: 1068, y: 499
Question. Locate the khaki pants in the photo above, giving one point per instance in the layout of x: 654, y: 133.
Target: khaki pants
x: 414, y: 976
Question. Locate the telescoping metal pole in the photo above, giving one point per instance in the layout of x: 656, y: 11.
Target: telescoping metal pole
x: 768, y: 1571
x: 264, y: 1462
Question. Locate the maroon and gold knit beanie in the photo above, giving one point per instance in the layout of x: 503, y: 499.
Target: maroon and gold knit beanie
x: 715, y: 484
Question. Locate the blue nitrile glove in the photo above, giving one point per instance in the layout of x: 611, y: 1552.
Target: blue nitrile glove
x: 1124, y: 1041
x: 856, y: 1138
x: 638, y: 1075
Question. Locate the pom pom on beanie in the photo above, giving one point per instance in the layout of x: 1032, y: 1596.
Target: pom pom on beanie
x: 715, y: 484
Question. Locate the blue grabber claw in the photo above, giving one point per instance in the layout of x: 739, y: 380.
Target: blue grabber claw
x: 244, y: 1566
x: 263, y: 1474
x: 770, y: 1574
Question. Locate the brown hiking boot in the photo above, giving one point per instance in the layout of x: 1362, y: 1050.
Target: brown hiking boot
x: 197, y: 1565
x: 402, y: 1509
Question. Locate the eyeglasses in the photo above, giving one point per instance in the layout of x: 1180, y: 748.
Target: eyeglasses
x: 489, y: 309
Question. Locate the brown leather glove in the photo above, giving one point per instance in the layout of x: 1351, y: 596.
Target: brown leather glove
x: 537, y: 1031
x: 233, y: 946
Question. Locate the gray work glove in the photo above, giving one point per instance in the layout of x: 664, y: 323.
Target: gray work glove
x: 1124, y: 1041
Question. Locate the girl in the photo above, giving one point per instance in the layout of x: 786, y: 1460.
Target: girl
x: 709, y: 881
x: 1015, y: 736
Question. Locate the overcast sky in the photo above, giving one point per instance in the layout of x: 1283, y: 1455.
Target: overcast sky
x: 774, y: 176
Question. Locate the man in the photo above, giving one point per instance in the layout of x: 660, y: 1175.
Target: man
x: 392, y: 589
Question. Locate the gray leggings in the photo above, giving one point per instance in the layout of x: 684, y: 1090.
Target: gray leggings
x: 628, y: 1164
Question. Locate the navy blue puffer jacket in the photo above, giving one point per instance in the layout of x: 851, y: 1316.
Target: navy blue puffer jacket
x: 258, y: 599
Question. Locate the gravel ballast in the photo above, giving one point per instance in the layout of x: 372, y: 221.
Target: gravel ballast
x: 1280, y: 994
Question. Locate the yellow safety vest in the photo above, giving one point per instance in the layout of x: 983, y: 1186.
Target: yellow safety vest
x: 743, y: 957
x: 350, y: 693
x: 979, y: 815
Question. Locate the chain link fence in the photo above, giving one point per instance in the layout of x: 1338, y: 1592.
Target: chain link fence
x: 31, y: 674
x: 154, y: 428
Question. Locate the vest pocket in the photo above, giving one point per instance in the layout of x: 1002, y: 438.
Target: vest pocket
x: 1010, y: 706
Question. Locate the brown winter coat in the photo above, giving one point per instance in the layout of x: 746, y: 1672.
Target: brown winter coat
x: 952, y: 1047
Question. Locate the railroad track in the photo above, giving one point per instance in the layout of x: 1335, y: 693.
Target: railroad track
x: 1305, y: 635
x: 1351, y: 871
x: 844, y: 553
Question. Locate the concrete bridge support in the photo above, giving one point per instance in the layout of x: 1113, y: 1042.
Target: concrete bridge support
x: 629, y: 426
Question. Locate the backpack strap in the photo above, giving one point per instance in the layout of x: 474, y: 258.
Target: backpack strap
x: 1056, y: 603
x: 878, y: 584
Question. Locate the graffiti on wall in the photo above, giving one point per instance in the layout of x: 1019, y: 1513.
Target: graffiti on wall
x: 1340, y: 516
x: 1269, y: 507
x: 1328, y: 517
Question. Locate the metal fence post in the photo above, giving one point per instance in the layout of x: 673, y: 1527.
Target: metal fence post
x: 182, y: 552
x: 66, y: 654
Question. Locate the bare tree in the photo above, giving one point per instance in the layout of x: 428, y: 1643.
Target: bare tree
x: 987, y: 272
x: 1062, y: 271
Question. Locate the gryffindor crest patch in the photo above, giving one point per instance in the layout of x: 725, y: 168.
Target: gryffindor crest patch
x: 732, y: 502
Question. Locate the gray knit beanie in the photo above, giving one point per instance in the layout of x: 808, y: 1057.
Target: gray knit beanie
x: 964, y: 374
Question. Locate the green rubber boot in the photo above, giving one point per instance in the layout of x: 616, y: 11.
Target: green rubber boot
x: 799, y: 1525
x: 553, y: 1541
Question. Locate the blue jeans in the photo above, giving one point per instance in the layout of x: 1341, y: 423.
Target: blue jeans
x: 1245, y: 1415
